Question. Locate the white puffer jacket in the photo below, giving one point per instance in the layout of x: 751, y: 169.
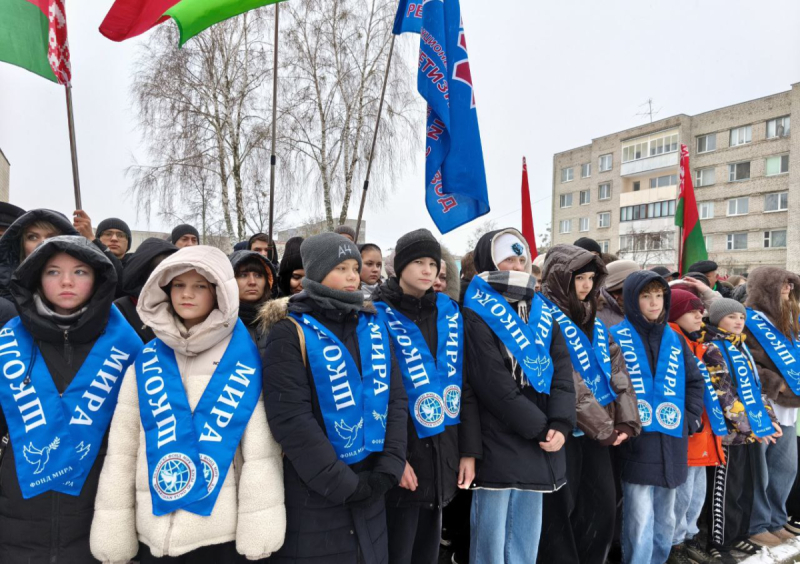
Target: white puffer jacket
x: 250, y: 508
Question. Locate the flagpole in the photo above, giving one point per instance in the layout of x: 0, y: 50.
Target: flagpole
x: 273, y: 159
x: 76, y: 181
x: 374, y: 139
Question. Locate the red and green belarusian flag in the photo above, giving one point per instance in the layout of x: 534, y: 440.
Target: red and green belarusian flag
x: 129, y: 18
x: 692, y: 245
x: 33, y: 35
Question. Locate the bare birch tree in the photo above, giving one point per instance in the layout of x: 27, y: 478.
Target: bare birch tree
x: 203, y: 112
x: 336, y: 53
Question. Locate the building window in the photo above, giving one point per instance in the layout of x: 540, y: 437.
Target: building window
x: 606, y: 162
x: 583, y: 224
x: 774, y: 239
x: 634, y: 152
x: 705, y: 176
x: 737, y: 241
x: 647, y: 242
x: 778, y: 127
x: 586, y: 170
x: 565, y: 226
x: 708, y: 239
x: 739, y: 206
x: 603, y: 246
x: 604, y: 219
x: 776, y: 202
x: 777, y: 165
x: 586, y: 196
x: 565, y: 200
x: 738, y: 171
x: 567, y: 174
x: 707, y: 143
x: 706, y: 210
x: 648, y: 211
x: 604, y: 191
x: 662, y: 181
x: 637, y: 186
x: 741, y: 135
x: 667, y: 144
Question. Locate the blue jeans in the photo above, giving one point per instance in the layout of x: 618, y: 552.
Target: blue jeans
x: 505, y: 526
x: 648, y: 523
x: 689, y: 500
x: 774, y: 475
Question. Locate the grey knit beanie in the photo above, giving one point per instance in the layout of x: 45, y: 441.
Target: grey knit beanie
x: 722, y: 307
x: 321, y: 253
x: 414, y: 245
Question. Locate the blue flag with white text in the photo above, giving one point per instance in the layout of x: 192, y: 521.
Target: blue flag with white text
x: 455, y: 178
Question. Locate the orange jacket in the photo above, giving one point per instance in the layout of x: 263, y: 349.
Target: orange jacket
x: 705, y: 448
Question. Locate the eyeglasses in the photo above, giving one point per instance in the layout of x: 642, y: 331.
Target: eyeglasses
x: 111, y: 233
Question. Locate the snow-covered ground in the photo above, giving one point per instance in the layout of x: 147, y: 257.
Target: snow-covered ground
x: 787, y: 552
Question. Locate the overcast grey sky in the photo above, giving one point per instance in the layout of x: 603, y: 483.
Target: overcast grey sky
x: 548, y: 76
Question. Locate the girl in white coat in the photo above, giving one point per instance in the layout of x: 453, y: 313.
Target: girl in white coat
x: 179, y: 478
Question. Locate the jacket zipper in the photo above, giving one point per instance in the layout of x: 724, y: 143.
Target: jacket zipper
x: 552, y: 473
x: 169, y: 533
x: 67, y: 348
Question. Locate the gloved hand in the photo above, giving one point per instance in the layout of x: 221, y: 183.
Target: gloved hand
x: 363, y: 491
x: 381, y: 483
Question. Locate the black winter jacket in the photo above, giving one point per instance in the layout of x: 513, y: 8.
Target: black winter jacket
x: 138, y: 267
x: 11, y: 245
x: 321, y: 527
x: 514, y: 420
x: 655, y: 459
x: 53, y: 528
x: 435, y: 460
x: 7, y: 311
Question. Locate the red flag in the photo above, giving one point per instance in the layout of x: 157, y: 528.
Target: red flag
x: 527, y: 212
x: 58, y: 50
x: 129, y: 18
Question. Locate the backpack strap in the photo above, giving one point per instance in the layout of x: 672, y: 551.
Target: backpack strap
x: 302, y: 337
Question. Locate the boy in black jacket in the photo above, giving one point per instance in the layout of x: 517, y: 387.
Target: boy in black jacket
x: 655, y: 463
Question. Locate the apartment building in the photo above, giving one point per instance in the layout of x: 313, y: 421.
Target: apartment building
x: 5, y: 173
x: 621, y: 189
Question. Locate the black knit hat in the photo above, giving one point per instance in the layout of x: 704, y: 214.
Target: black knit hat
x: 9, y: 213
x: 114, y: 223
x: 290, y: 262
x: 417, y: 244
x: 589, y: 245
x: 184, y: 229
x: 703, y: 266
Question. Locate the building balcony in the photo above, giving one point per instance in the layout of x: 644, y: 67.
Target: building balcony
x: 643, y: 166
x: 648, y: 196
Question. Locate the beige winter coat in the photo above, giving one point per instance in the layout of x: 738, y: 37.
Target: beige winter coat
x: 250, y: 507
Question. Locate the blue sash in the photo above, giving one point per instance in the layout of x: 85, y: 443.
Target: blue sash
x: 711, y: 402
x: 749, y: 388
x: 180, y: 443
x: 595, y: 369
x: 667, y: 391
x: 783, y: 352
x: 350, y: 402
x: 433, y: 385
x: 56, y: 439
x: 529, y: 346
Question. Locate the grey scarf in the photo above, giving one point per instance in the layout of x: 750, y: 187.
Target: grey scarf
x: 334, y: 299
